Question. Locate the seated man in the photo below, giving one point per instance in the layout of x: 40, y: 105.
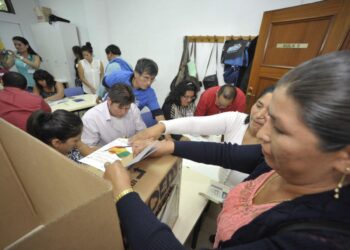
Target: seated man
x: 220, y: 99
x: 115, y: 63
x: 118, y: 117
x: 16, y: 104
x: 140, y: 80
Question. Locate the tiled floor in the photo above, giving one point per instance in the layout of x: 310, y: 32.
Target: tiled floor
x: 208, y: 228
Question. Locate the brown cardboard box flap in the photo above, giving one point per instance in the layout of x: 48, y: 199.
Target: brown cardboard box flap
x: 40, y: 186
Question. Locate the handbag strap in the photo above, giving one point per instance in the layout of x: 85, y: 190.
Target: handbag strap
x: 211, y: 53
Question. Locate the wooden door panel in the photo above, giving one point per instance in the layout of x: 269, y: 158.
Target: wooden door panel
x: 290, y: 43
x: 324, y: 26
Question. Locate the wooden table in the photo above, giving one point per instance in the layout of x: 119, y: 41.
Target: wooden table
x: 74, y: 103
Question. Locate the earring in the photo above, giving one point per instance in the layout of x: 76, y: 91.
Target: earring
x: 340, y: 184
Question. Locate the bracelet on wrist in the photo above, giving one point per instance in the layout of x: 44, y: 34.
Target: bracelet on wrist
x: 122, y: 194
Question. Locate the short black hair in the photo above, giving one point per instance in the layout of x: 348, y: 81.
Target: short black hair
x: 14, y: 79
x: 227, y: 91
x: 121, y: 93
x: 114, y: 49
x: 148, y: 66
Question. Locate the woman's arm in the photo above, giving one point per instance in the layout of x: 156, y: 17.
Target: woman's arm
x: 60, y: 93
x: 85, y: 149
x: 243, y: 158
x: 35, y: 64
x: 83, y: 79
x: 36, y: 91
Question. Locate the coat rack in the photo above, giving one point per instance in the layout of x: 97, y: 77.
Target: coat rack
x: 216, y: 39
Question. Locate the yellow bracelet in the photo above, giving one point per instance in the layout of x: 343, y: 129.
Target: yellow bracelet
x: 122, y: 194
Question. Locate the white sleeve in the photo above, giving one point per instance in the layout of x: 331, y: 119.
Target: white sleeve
x: 90, y: 135
x: 205, y: 125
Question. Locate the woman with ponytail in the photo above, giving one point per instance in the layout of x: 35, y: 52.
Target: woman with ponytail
x: 60, y: 130
x: 27, y: 60
x: 90, y: 70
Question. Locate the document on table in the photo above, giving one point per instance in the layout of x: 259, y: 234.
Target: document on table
x: 216, y: 192
x: 113, y: 151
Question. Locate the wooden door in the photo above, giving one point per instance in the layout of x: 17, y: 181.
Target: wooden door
x: 293, y: 35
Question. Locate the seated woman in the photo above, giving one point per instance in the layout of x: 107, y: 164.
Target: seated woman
x: 180, y: 101
x: 60, y: 130
x: 46, y: 86
x: 297, y: 195
x: 236, y: 127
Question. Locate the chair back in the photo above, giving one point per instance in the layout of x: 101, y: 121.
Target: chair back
x: 73, y: 91
x: 148, y: 119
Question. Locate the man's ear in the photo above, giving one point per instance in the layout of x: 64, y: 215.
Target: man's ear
x: 342, y: 161
x: 55, y: 143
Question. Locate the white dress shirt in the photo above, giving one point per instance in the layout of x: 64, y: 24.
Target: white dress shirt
x: 101, y: 128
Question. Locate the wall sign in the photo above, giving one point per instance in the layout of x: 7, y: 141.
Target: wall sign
x: 292, y: 45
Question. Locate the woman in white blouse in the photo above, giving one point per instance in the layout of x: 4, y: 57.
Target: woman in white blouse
x: 236, y: 127
x: 90, y: 70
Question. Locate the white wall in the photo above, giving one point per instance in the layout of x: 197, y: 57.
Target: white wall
x: 153, y: 28
x: 24, y: 17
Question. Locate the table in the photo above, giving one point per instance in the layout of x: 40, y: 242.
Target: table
x: 191, y: 203
x: 74, y: 103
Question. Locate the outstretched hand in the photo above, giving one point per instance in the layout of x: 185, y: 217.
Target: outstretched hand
x: 162, y: 147
x: 118, y: 175
x: 153, y: 133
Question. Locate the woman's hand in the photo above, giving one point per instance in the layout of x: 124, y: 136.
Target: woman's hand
x: 118, y: 175
x: 162, y: 147
x: 153, y: 132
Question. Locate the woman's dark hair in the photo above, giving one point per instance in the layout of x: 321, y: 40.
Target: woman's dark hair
x: 267, y: 90
x: 25, y: 42
x: 87, y: 47
x: 180, y: 90
x: 41, y: 74
x: 321, y: 89
x: 60, y: 124
x: 77, y: 51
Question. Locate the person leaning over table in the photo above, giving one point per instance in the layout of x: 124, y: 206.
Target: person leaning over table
x: 17, y: 104
x: 236, y: 127
x: 60, y: 130
x: 118, y: 117
x: 140, y: 80
x: 220, y: 99
x: 301, y: 180
x: 47, y: 87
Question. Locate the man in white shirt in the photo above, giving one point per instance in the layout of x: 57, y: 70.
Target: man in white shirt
x: 117, y: 117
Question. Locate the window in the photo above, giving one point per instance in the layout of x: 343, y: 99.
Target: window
x: 6, y: 6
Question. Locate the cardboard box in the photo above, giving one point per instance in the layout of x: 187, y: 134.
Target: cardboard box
x: 42, y: 14
x: 157, y: 181
x: 49, y: 202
